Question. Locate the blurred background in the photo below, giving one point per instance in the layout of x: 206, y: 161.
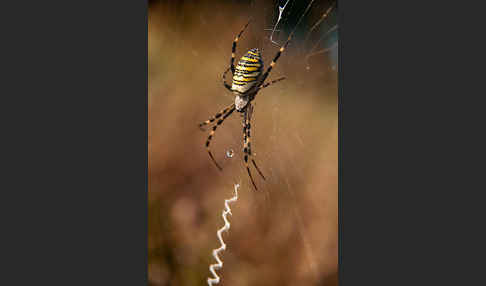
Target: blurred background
x: 286, y: 233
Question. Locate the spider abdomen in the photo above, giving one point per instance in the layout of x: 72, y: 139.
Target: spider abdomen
x: 247, y: 71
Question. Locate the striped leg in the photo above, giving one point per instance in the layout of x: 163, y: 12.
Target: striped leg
x: 224, y: 79
x: 272, y: 64
x: 211, y: 134
x: 218, y: 115
x: 247, y: 146
x: 265, y: 75
x: 248, y: 127
x: 270, y: 83
x: 233, y: 49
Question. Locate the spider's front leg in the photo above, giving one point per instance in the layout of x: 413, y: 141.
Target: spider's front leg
x: 228, y: 87
x: 233, y: 48
x: 232, y: 60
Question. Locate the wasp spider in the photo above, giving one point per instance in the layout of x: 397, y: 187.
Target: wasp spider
x: 248, y: 80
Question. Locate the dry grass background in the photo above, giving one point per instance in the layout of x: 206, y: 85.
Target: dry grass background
x: 286, y: 233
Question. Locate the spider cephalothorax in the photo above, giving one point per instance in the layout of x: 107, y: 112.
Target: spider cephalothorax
x: 248, y: 80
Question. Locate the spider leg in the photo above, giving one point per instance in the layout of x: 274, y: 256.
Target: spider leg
x: 248, y: 127
x: 245, y: 147
x: 218, y: 115
x: 224, y: 79
x: 232, y: 60
x: 247, y: 144
x: 211, y: 134
x: 233, y: 49
x: 272, y: 64
x: 270, y: 83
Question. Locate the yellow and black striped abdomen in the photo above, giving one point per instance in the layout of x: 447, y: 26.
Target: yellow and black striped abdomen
x: 247, y: 71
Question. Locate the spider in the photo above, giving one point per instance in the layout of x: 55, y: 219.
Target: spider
x: 248, y: 80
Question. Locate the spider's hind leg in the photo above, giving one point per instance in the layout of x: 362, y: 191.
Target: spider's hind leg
x: 247, y: 145
x: 218, y: 115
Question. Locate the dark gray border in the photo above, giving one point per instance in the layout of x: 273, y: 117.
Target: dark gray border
x: 74, y: 153
x: 408, y: 212
x: 74, y: 179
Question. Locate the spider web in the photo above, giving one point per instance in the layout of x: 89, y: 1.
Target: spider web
x: 313, y: 22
